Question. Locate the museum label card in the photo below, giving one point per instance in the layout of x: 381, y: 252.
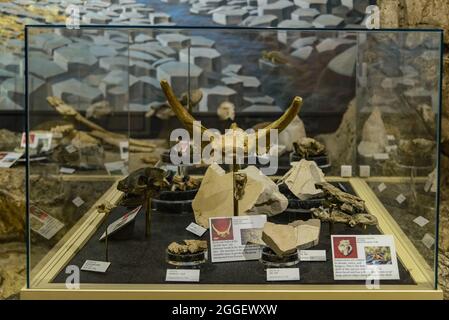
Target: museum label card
x: 364, y: 257
x: 70, y: 148
x: 391, y: 148
x: 312, y: 255
x: 44, y: 224
x: 346, y: 171
x: 428, y: 240
x: 95, y: 266
x: 282, y: 274
x: 124, y: 150
x: 36, y: 138
x: 381, y: 156
x: 196, y: 229
x: 364, y: 171
x: 400, y: 198
x: 182, y: 275
x: 32, y: 143
x: 121, y: 222
x: 236, y: 238
x: 391, y: 137
x: 7, y: 159
x: 78, y: 202
x: 421, y: 221
x: 66, y: 170
x: 381, y: 187
x: 116, y: 168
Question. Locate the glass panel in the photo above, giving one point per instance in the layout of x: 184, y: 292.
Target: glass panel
x: 369, y: 122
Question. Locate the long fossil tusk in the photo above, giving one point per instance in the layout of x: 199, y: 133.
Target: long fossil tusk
x: 181, y: 113
x: 288, y: 116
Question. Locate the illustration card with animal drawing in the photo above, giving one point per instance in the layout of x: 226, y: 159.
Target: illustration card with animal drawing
x: 364, y: 257
x: 236, y: 238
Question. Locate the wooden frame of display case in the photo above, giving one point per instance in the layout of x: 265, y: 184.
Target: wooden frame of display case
x: 46, y: 270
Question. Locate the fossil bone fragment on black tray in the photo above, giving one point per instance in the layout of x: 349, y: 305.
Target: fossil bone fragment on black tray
x: 342, y: 207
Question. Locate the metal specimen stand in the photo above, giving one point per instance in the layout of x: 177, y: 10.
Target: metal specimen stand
x: 147, y: 208
x: 106, y: 243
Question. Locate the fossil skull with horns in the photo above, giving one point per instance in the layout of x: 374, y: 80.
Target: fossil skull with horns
x: 236, y: 136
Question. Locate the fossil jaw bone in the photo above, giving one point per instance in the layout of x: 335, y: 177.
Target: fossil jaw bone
x: 188, y: 120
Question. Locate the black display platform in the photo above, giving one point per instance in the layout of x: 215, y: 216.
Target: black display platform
x: 142, y: 261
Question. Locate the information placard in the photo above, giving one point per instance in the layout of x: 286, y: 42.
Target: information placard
x: 361, y: 257
x: 236, y: 238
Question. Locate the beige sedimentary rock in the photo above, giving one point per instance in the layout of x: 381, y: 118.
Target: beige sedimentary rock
x: 374, y: 135
x: 307, y: 233
x: 280, y: 238
x: 301, y: 179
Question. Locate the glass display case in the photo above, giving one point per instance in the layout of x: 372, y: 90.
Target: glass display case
x: 322, y: 181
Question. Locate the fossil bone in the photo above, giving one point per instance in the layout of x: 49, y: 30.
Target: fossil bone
x: 68, y: 111
x: 240, y: 137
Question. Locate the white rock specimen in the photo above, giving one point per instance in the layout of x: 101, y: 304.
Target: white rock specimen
x: 280, y: 238
x: 301, y: 179
x: 374, y: 135
x: 294, y: 132
x: 269, y: 201
x: 307, y: 233
x: 215, y: 195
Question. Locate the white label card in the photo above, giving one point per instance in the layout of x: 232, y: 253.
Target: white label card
x: 70, y: 148
x: 282, y: 274
x: 364, y: 171
x: 421, y: 221
x: 7, y: 159
x: 428, y: 240
x: 236, y: 238
x: 124, y: 150
x: 196, y: 229
x: 400, y: 198
x: 381, y: 156
x: 43, y: 223
x: 121, y: 222
x: 391, y: 148
x: 78, y: 202
x: 66, y: 170
x: 95, y: 266
x: 391, y: 137
x: 346, y: 171
x: 381, y: 187
x: 183, y: 275
x: 116, y: 168
x: 312, y: 255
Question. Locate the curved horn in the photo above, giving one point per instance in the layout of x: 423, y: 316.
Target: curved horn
x: 288, y: 116
x: 181, y: 113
